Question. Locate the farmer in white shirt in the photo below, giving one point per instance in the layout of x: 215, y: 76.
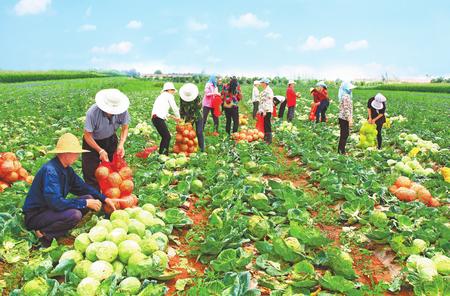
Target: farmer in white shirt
x: 160, y: 113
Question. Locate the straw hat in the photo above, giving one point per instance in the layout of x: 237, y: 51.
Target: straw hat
x: 112, y: 101
x: 291, y: 82
x: 68, y: 143
x: 189, y: 92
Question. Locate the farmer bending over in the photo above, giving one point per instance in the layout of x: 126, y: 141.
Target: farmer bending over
x: 46, y: 208
x: 103, y: 118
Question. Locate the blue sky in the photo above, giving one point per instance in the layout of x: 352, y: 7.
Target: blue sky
x: 348, y: 39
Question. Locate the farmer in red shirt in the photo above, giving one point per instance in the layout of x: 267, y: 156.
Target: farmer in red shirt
x: 320, y: 94
x: 291, y: 100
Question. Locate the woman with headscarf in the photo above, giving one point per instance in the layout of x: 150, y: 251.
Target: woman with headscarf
x: 210, y: 92
x: 321, y: 94
x: 232, y: 95
x: 345, y: 113
x: 255, y: 97
x: 376, y: 107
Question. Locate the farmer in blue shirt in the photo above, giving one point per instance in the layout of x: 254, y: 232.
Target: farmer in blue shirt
x: 46, y: 208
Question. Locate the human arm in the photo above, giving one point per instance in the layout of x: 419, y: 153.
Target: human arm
x: 123, y: 138
x: 79, y: 187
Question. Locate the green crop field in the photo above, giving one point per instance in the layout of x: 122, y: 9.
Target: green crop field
x: 22, y: 76
x: 291, y: 218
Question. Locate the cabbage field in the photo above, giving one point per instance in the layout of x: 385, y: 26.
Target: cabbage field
x: 243, y: 218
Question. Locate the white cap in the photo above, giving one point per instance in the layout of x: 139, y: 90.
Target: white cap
x: 291, y: 82
x: 256, y: 82
x: 112, y: 101
x: 378, y: 101
x: 188, y: 92
x: 169, y: 86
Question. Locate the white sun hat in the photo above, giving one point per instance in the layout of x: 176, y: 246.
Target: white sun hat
x: 256, y: 82
x: 112, y: 101
x: 169, y: 86
x: 291, y: 82
x: 189, y: 92
x: 377, y: 103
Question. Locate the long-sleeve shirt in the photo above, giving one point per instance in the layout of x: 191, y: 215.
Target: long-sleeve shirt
x: 163, y: 103
x: 346, y: 108
x: 191, y: 111
x: 51, y: 185
x: 231, y: 99
x: 255, y: 94
x: 210, y: 92
x: 291, y: 97
x: 266, y: 100
x: 320, y: 95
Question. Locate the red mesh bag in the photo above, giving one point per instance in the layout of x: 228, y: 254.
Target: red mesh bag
x: 217, y: 102
x: 260, y: 123
x: 146, y: 152
x: 312, y: 113
x: 115, y: 180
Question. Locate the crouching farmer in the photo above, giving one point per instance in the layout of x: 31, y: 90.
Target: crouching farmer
x: 46, y: 208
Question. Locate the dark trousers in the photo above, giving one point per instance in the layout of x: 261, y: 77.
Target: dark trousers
x: 206, y: 111
x: 52, y: 223
x: 231, y: 114
x: 282, y: 108
x: 379, y: 139
x: 199, y: 132
x: 290, y: 114
x: 344, y: 126
x: 91, y: 160
x: 321, y: 110
x: 161, y: 127
x: 255, y: 109
x: 268, y: 128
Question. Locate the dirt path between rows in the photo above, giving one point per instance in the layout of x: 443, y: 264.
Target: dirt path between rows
x: 182, y: 261
x: 371, y: 268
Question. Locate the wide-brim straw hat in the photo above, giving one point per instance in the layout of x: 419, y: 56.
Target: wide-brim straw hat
x: 68, y: 143
x: 112, y: 101
x: 189, y: 92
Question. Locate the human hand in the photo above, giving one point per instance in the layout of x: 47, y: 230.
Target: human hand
x: 111, y: 202
x: 103, y: 155
x: 350, y: 123
x: 120, y: 151
x: 94, y: 204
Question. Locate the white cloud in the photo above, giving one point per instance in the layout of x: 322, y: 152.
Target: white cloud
x: 88, y: 11
x: 24, y: 7
x: 87, y: 27
x: 193, y: 25
x: 312, y: 43
x: 272, y: 35
x: 248, y: 20
x: 213, y: 60
x: 355, y: 45
x: 123, y: 47
x: 134, y: 24
x: 169, y: 31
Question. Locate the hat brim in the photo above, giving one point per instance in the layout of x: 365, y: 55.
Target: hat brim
x: 188, y: 98
x: 58, y: 151
x: 377, y: 105
x: 101, y: 103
